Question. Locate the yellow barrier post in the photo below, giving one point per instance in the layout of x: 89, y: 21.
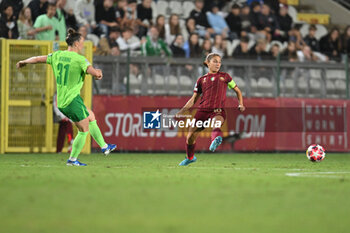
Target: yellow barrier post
x: 3, y: 96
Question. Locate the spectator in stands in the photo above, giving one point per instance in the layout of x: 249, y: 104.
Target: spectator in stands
x: 245, y: 20
x: 242, y: 50
x: 120, y: 9
x: 154, y: 46
x: 346, y: 40
x: 306, y: 54
x: 8, y: 24
x: 295, y: 35
x: 259, y: 50
x: 85, y: 14
x: 172, y: 28
x: 234, y: 21
x: 274, y: 51
x: 160, y: 25
x: 219, y: 46
x: 130, y: 17
x: 60, y: 15
x: 254, y: 16
x: 38, y: 7
x: 217, y: 22
x: 267, y: 24
x: 17, y: 6
x: 191, y: 28
x: 209, y: 3
x: 89, y: 37
x: 108, y: 45
x: 310, y: 39
x: 192, y: 47
x: 68, y: 13
x: 290, y: 54
x: 285, y: 23
x: 330, y: 44
x: 105, y: 16
x: 177, y: 46
x: 145, y: 16
x: 274, y: 5
x: 25, y: 25
x: 128, y: 41
x: 46, y: 25
x: 206, y: 47
x: 200, y: 17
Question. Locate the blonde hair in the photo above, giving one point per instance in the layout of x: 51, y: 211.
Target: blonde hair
x: 22, y: 17
x: 209, y: 57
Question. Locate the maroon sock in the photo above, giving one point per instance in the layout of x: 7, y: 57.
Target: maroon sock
x: 61, y: 136
x: 190, y: 151
x: 69, y: 132
x: 216, y: 132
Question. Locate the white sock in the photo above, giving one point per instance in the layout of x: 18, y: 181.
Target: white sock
x: 72, y: 159
x: 105, y: 146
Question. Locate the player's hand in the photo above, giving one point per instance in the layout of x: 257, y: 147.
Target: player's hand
x: 241, y: 108
x: 20, y: 64
x: 99, y: 74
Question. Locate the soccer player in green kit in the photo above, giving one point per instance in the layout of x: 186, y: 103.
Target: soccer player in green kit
x: 69, y: 68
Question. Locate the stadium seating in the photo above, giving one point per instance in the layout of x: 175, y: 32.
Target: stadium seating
x: 293, y: 13
x: 187, y: 6
x: 340, y: 87
x: 231, y: 46
x: 162, y: 8
x: 176, y: 8
x: 316, y: 87
x: 265, y: 86
x: 321, y: 30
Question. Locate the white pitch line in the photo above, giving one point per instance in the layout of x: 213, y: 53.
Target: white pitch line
x: 318, y: 174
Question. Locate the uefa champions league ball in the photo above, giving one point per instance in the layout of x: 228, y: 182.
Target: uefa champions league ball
x: 315, y: 153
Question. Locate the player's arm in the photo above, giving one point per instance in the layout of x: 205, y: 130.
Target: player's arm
x: 190, y: 103
x: 31, y: 60
x: 240, y: 98
x: 97, y: 73
x: 232, y: 85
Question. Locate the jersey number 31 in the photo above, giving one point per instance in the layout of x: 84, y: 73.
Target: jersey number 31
x: 60, y: 69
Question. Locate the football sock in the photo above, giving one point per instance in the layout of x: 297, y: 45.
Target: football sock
x: 96, y: 134
x: 190, y: 151
x: 78, y: 145
x: 215, y: 133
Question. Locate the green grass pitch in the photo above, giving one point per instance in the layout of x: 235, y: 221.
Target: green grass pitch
x: 149, y: 193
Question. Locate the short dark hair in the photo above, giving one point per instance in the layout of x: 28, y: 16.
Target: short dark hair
x: 312, y: 27
x: 72, y: 36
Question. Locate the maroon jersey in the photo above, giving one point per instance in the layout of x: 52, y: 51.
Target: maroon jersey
x: 213, y: 88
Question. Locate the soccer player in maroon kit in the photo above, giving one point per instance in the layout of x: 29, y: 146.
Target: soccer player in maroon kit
x: 212, y: 90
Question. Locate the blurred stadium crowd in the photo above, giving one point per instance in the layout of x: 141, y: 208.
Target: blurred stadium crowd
x: 240, y: 29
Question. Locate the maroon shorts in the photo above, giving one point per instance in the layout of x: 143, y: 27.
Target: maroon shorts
x: 204, y: 114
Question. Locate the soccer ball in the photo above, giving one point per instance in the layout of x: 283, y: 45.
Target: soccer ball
x: 315, y: 153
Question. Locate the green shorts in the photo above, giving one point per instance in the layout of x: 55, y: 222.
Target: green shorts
x: 76, y: 110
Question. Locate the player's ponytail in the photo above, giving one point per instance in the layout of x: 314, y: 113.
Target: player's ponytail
x: 72, y: 36
x: 209, y: 57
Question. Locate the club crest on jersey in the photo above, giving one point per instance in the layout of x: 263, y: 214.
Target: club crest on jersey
x: 212, y: 79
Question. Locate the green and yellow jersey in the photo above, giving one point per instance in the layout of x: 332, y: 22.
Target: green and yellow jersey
x: 69, y: 69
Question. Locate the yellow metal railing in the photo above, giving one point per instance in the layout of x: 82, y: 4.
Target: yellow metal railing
x: 26, y: 119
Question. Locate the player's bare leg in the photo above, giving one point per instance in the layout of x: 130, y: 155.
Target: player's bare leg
x: 216, y: 134
x: 97, y: 135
